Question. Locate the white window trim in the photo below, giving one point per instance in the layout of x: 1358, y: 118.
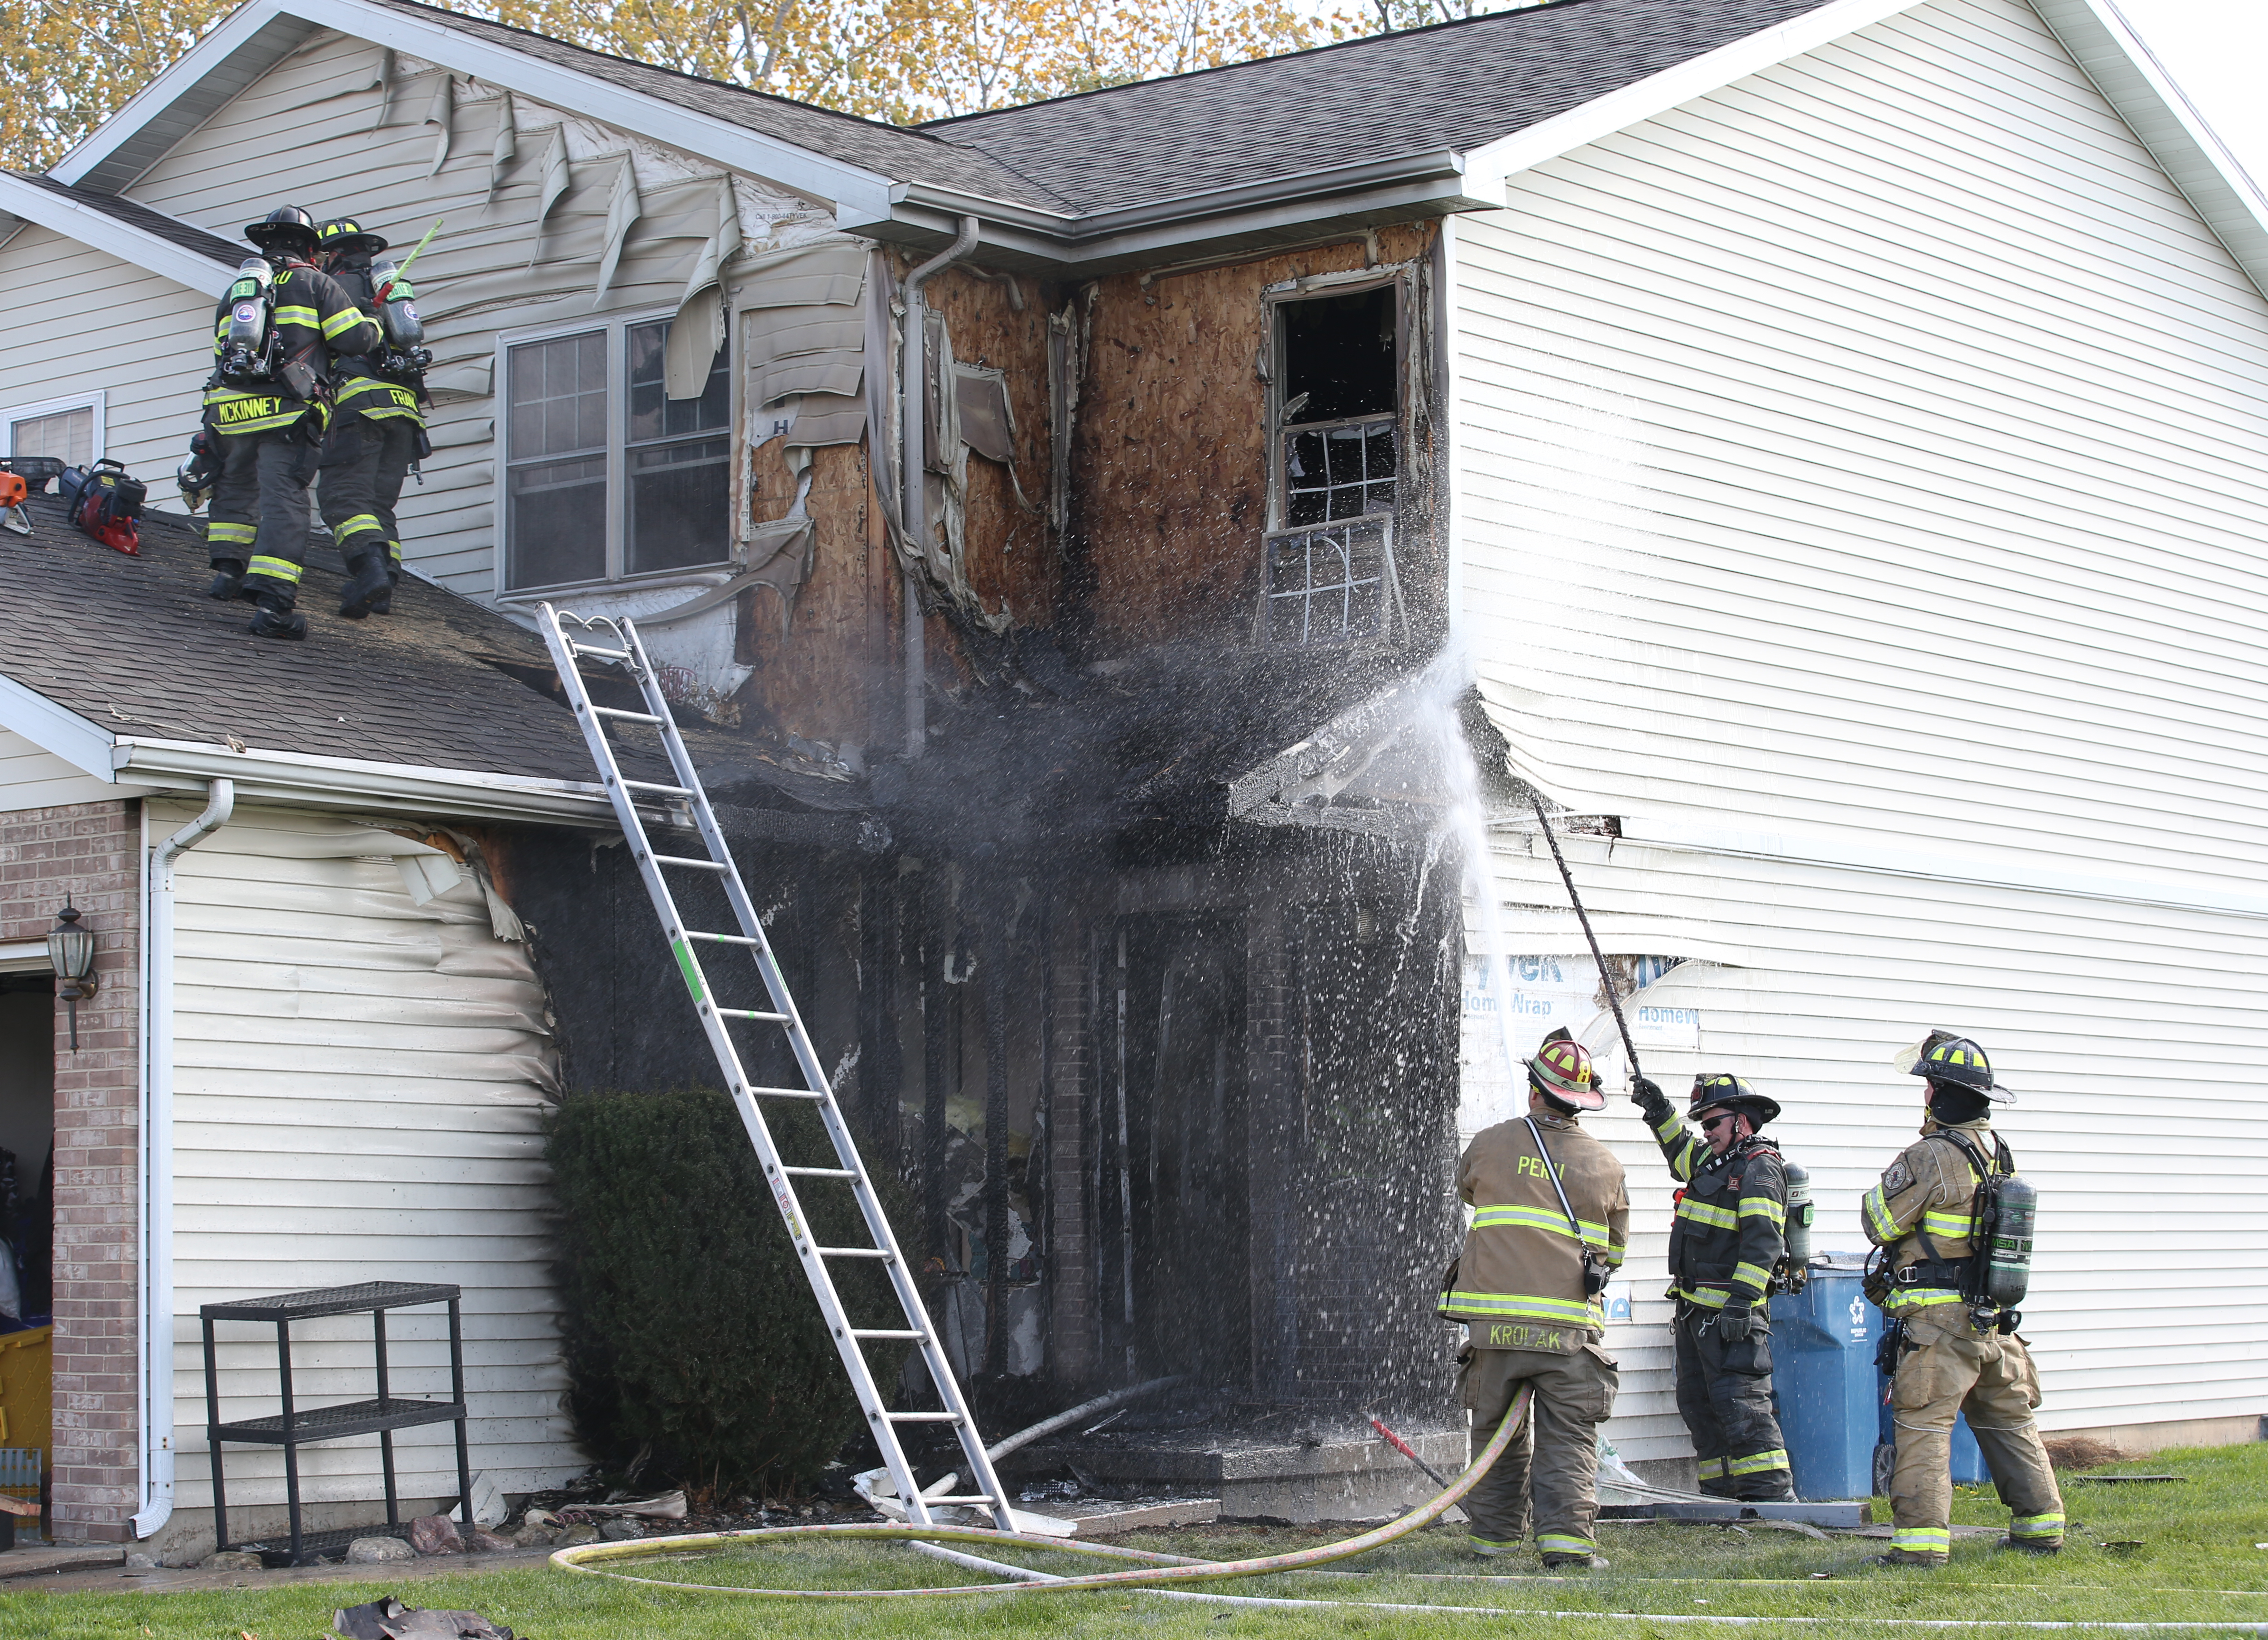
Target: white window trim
x: 14, y: 414
x: 616, y: 326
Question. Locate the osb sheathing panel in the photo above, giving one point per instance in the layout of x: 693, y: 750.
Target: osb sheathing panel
x: 1009, y: 553
x: 1169, y: 457
x: 832, y: 676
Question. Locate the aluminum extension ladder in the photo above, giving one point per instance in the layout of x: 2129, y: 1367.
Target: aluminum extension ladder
x: 747, y: 1095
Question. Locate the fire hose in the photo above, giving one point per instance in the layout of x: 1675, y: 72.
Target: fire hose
x: 1159, y: 1574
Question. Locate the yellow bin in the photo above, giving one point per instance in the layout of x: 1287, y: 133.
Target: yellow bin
x: 27, y: 1391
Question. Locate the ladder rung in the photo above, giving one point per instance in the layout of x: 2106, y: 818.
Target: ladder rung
x: 573, y: 648
x: 852, y: 1253
x: 784, y: 1093
x: 964, y: 1497
x: 750, y: 1013
x: 820, y: 1173
x: 922, y: 1417
x: 721, y: 939
x: 688, y: 861
x: 627, y: 717
x: 648, y: 785
x: 876, y: 1332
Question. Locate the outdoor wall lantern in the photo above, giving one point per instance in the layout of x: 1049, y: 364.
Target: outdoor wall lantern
x: 70, y: 952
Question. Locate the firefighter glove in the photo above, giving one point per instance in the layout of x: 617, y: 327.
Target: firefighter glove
x: 1735, y: 1322
x: 1647, y: 1096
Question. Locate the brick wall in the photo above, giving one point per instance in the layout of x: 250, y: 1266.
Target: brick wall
x: 91, y: 852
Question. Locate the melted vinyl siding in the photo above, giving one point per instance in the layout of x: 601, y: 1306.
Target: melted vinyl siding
x: 475, y: 277
x: 361, y: 1084
x: 1872, y: 450
x: 1882, y: 439
x: 96, y: 322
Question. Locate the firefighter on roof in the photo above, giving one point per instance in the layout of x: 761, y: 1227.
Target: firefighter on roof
x: 1725, y: 1245
x: 1953, y: 1343
x: 274, y: 336
x: 377, y: 425
x: 1551, y: 1219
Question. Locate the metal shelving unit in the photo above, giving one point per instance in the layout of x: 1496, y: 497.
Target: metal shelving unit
x: 294, y: 1426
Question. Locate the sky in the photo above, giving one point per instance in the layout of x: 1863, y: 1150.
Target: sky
x: 2215, y: 50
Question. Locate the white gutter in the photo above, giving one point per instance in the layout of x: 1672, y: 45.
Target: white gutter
x: 913, y: 417
x: 157, y: 1154
x: 267, y: 775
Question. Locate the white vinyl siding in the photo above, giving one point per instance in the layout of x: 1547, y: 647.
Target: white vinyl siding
x: 360, y: 1088
x: 108, y: 333
x: 1869, y: 458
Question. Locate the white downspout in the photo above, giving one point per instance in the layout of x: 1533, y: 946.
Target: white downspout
x: 912, y: 380
x: 158, y: 1157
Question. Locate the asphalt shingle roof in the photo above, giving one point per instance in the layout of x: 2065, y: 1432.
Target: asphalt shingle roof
x: 1456, y: 85
x: 225, y: 252
x: 889, y: 151
x: 133, y: 645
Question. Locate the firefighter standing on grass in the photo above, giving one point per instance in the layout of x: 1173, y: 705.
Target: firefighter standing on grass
x: 1956, y: 1351
x: 1551, y: 1219
x: 267, y: 413
x: 1725, y: 1246
x: 376, y: 435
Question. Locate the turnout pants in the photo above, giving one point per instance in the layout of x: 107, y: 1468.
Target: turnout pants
x: 1553, y: 1462
x: 260, y: 510
x: 1951, y: 1370
x: 1725, y: 1395
x: 365, y: 461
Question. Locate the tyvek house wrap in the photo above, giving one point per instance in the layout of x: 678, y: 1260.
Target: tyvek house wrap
x: 362, y: 1070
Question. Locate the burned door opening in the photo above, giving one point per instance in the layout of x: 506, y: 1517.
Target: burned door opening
x: 1181, y: 1221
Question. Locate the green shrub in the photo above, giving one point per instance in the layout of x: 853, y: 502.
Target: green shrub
x: 689, y: 1325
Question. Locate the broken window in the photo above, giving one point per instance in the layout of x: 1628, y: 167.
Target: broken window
x: 605, y: 474
x: 1340, y: 406
x: 1329, y: 571
x: 1331, y: 586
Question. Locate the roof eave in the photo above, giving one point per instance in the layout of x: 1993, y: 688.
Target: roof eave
x: 2189, y: 151
x: 1255, y: 217
x: 138, y: 247
x: 300, y: 777
x: 303, y: 778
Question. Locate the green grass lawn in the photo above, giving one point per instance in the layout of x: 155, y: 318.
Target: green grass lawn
x: 2194, y: 1559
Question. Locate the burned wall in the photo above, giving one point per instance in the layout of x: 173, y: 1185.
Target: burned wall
x: 1169, y: 463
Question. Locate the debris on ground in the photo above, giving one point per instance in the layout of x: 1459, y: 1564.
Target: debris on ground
x: 386, y: 1618
x: 2106, y: 1479
x: 378, y: 1551
x: 435, y: 1534
x: 2082, y: 1451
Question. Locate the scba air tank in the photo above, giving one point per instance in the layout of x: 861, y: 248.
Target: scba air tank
x: 243, y: 347
x: 1798, y: 1230
x: 2008, y: 1260
x: 397, y: 316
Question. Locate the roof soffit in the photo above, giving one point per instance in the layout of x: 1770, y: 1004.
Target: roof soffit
x: 116, y: 232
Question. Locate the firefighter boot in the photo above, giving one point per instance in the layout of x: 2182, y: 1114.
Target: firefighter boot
x: 383, y: 604
x: 277, y: 618
x: 365, y: 586
x: 228, y: 579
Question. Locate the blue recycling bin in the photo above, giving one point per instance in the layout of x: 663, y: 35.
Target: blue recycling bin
x: 1823, y: 1341
x: 1833, y: 1406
